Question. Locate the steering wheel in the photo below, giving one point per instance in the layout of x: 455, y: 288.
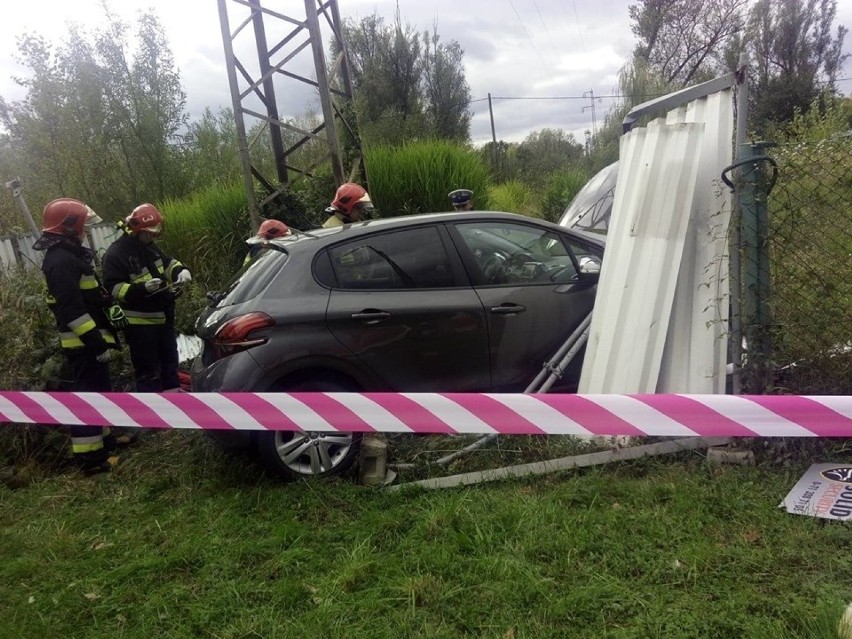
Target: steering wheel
x: 494, y: 268
x: 521, y: 258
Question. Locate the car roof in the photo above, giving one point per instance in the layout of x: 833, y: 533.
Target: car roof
x: 332, y: 235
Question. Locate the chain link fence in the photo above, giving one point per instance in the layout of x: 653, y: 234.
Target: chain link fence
x: 810, y: 258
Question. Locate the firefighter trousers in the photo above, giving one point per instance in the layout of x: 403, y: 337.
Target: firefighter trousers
x: 153, y: 351
x: 88, y: 374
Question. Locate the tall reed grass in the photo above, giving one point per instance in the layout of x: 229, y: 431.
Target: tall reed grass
x: 417, y: 176
x: 207, y: 231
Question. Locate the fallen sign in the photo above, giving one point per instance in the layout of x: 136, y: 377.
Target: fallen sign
x: 824, y: 491
x: 444, y: 413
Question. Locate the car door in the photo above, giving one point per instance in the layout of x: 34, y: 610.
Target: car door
x: 402, y: 304
x: 527, y: 277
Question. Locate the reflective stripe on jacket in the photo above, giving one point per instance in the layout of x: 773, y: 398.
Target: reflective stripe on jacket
x: 77, y: 299
x: 128, y: 264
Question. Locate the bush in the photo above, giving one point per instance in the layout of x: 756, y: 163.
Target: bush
x: 561, y: 189
x: 515, y: 197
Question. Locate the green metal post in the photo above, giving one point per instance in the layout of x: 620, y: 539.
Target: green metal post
x: 754, y: 252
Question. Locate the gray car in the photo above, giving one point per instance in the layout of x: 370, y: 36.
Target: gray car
x: 451, y: 302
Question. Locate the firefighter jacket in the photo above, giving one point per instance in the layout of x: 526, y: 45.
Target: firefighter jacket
x: 333, y: 222
x: 76, y: 296
x: 128, y: 264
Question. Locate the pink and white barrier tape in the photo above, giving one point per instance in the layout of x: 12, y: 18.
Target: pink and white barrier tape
x: 445, y: 413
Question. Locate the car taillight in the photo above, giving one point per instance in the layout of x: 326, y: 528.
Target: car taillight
x: 235, y: 334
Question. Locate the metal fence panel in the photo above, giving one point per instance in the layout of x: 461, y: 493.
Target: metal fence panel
x: 810, y: 244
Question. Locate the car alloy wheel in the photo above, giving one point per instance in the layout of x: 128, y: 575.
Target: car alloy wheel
x: 292, y: 455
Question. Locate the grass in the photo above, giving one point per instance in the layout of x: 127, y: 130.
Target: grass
x: 184, y: 541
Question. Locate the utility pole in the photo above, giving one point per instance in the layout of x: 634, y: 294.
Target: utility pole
x: 493, y: 132
x: 256, y: 83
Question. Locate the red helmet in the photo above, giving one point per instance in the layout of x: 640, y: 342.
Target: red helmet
x: 145, y: 217
x: 270, y: 229
x: 66, y: 216
x: 348, y: 195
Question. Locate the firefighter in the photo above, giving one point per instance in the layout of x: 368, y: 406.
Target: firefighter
x: 269, y: 230
x: 351, y: 204
x: 461, y: 199
x: 146, y: 282
x: 86, y: 316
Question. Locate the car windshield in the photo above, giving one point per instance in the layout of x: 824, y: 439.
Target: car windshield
x: 253, y: 278
x: 591, y: 208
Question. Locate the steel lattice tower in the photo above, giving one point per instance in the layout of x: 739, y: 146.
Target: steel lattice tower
x: 277, y: 67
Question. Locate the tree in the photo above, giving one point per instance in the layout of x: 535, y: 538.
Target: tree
x: 446, y: 89
x: 407, y: 85
x: 637, y: 83
x: 145, y: 104
x: 683, y: 40
x: 211, y: 152
x: 793, y: 56
x: 95, y: 124
x: 544, y: 152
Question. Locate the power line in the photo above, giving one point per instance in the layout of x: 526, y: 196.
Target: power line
x: 557, y: 97
x: 577, y: 21
x: 532, y: 42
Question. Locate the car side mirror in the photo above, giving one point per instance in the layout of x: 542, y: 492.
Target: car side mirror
x: 590, y: 265
x: 589, y: 278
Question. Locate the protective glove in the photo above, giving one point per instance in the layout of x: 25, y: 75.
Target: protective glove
x: 153, y: 284
x: 116, y: 317
x: 184, y: 277
x: 104, y: 357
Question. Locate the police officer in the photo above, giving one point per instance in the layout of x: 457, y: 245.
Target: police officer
x: 269, y: 230
x: 351, y: 203
x: 82, y: 308
x: 144, y: 281
x: 462, y: 199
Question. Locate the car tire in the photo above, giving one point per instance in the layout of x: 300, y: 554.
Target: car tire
x: 303, y: 455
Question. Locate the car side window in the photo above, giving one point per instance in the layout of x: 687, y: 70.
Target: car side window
x: 409, y: 259
x: 510, y: 254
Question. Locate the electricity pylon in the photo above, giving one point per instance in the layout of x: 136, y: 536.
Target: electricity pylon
x: 279, y: 64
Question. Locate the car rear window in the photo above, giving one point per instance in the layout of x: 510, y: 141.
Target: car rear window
x: 253, y: 278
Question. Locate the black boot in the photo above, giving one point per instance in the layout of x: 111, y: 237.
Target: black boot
x: 91, y: 464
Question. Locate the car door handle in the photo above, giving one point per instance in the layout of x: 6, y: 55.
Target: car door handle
x: 508, y: 309
x: 371, y: 316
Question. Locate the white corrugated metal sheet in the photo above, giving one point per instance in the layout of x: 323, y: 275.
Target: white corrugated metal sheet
x: 696, y: 346
x: 100, y: 237
x: 7, y: 253
x: 665, y: 298
x: 30, y: 258
x: 658, y: 168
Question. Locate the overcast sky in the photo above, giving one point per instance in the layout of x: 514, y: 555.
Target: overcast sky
x: 513, y: 48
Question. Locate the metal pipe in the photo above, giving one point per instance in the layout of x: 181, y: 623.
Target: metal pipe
x: 564, y: 355
x: 560, y: 354
x: 560, y: 368
x: 15, y: 187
